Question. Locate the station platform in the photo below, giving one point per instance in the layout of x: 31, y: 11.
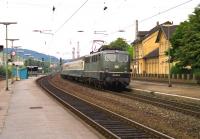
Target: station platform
x: 180, y: 90
x: 27, y: 112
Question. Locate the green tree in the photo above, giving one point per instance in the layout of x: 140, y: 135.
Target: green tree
x: 130, y: 51
x: 43, y: 64
x: 120, y: 44
x: 3, y: 71
x: 186, y: 42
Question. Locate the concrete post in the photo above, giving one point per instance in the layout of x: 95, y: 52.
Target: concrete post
x: 173, y: 76
x: 193, y: 77
x: 178, y: 76
x: 188, y: 76
x: 182, y: 77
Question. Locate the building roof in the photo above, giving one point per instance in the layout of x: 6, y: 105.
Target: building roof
x: 168, y: 31
x: 140, y: 36
x: 161, y: 28
x: 152, y: 54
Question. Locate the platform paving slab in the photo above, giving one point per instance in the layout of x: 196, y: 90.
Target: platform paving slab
x: 4, y: 102
x: 32, y: 114
x: 176, y: 89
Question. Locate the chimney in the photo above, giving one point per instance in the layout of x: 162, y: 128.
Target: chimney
x: 78, y: 51
x: 157, y: 23
x: 136, y: 29
x: 73, y: 53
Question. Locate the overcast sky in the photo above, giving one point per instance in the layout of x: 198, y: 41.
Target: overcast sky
x: 65, y: 22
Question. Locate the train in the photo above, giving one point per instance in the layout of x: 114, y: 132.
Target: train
x: 103, y: 69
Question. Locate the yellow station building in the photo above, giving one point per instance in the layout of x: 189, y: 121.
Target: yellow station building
x: 150, y: 47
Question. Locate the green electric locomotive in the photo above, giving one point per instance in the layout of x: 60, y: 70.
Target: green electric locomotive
x: 107, y: 68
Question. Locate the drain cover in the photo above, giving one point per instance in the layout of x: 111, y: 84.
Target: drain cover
x: 37, y: 107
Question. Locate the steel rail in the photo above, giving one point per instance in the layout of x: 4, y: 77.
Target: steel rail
x: 185, y: 108
x: 109, y: 124
x: 189, y: 109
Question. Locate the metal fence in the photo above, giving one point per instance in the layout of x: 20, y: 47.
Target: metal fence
x: 185, y: 78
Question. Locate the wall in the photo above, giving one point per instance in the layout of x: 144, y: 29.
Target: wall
x: 175, y: 78
x: 163, y: 59
x: 156, y: 65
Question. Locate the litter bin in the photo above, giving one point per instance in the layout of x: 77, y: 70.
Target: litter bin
x: 20, y: 73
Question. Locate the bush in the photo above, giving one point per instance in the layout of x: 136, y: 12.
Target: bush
x: 197, y: 74
x: 179, y: 70
x: 2, y: 71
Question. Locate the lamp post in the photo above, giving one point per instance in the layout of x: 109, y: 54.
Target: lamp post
x: 6, y: 24
x: 169, y: 59
x: 12, y: 40
x: 169, y: 55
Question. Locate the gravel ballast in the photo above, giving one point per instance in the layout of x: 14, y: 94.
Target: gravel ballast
x: 172, y: 123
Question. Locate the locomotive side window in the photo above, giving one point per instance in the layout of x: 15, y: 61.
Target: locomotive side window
x: 95, y: 58
x: 110, y: 57
x: 122, y: 58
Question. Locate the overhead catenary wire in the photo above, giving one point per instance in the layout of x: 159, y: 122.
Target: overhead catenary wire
x: 164, y: 11
x: 74, y: 13
x: 152, y: 16
x: 17, y: 3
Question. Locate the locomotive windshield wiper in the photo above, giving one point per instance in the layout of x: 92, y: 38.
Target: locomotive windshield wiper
x: 110, y: 57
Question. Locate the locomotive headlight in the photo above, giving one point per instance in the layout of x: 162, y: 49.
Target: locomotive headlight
x: 125, y: 69
x: 116, y: 66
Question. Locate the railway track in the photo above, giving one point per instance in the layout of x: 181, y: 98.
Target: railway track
x: 109, y: 124
x: 151, y: 98
x: 192, y: 109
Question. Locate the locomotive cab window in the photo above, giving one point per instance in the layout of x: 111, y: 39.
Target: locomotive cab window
x: 87, y: 60
x: 110, y: 57
x: 122, y: 58
x: 95, y: 58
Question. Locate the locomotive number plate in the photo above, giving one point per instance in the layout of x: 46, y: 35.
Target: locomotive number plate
x: 116, y: 75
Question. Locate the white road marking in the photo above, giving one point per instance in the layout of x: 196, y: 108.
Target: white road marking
x: 166, y: 94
